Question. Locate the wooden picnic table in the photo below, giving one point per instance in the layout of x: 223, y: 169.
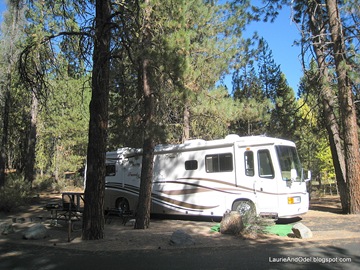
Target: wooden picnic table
x: 70, y: 209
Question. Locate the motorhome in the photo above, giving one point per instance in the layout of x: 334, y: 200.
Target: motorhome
x: 256, y: 174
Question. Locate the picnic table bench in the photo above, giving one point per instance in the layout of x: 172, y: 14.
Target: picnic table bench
x: 70, y: 210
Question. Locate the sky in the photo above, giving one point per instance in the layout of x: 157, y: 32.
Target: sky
x: 280, y: 37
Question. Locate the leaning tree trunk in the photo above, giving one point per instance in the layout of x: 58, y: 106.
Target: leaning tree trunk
x: 347, y: 109
x: 93, y: 218
x: 327, y: 96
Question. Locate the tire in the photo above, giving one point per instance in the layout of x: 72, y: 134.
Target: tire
x: 76, y: 226
x: 245, y: 208
x: 122, y: 205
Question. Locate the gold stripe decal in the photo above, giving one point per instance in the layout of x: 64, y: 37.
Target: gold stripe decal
x: 161, y: 199
x: 183, y: 204
x: 236, y: 190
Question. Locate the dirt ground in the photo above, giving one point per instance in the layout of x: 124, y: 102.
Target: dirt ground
x: 324, y: 219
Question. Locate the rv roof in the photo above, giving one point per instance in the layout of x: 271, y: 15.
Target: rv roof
x: 199, y: 143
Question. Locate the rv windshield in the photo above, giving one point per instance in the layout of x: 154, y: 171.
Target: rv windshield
x: 289, y: 163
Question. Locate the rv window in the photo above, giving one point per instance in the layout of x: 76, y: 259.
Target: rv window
x: 191, y: 165
x: 265, y: 165
x: 110, y: 170
x: 249, y: 163
x: 289, y: 161
x: 219, y: 163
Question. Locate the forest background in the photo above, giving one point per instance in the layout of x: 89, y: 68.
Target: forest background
x: 187, y: 48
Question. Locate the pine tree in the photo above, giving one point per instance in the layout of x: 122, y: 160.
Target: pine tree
x: 269, y: 72
x: 325, y: 31
x: 93, y: 217
x: 276, y: 89
x: 282, y: 123
x: 61, y: 144
x: 254, y: 113
x: 12, y: 31
x: 347, y: 106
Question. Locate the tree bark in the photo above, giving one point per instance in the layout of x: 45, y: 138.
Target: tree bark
x: 144, y: 203
x: 29, y: 172
x: 5, y: 131
x: 186, y: 130
x: 93, y: 217
x: 327, y: 96
x: 347, y: 109
x: 11, y: 57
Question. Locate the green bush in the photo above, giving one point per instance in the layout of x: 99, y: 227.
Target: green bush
x: 14, y: 193
x: 66, y: 183
x: 42, y: 183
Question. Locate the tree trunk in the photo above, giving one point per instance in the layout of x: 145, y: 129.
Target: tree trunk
x: 11, y: 57
x: 4, y: 138
x: 29, y: 172
x: 144, y: 203
x: 93, y: 217
x: 347, y: 109
x: 186, y: 130
x: 327, y: 96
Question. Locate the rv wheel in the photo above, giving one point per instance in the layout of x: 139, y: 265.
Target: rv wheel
x: 245, y: 208
x: 122, y: 204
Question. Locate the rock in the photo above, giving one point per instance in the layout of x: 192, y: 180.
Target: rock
x: 6, y: 228
x: 181, y: 238
x: 231, y: 223
x: 301, y: 231
x: 38, y: 231
x: 130, y: 222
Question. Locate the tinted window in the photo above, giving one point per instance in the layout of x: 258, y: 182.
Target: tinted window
x: 191, y: 165
x: 265, y: 164
x: 249, y: 163
x: 219, y: 163
x: 110, y: 170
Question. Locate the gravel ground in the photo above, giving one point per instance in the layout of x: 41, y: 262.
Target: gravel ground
x: 324, y: 219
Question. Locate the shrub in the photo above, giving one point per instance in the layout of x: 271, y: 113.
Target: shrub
x: 42, y: 183
x: 48, y: 183
x: 14, y: 193
x: 255, y: 226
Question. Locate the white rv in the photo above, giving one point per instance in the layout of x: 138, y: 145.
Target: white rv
x: 254, y: 174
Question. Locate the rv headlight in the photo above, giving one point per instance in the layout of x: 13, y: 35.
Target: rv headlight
x: 294, y: 200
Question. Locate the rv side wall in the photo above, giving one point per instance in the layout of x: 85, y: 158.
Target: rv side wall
x: 208, y: 178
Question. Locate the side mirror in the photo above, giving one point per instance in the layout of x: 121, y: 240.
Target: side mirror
x: 293, y: 174
x: 306, y: 175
